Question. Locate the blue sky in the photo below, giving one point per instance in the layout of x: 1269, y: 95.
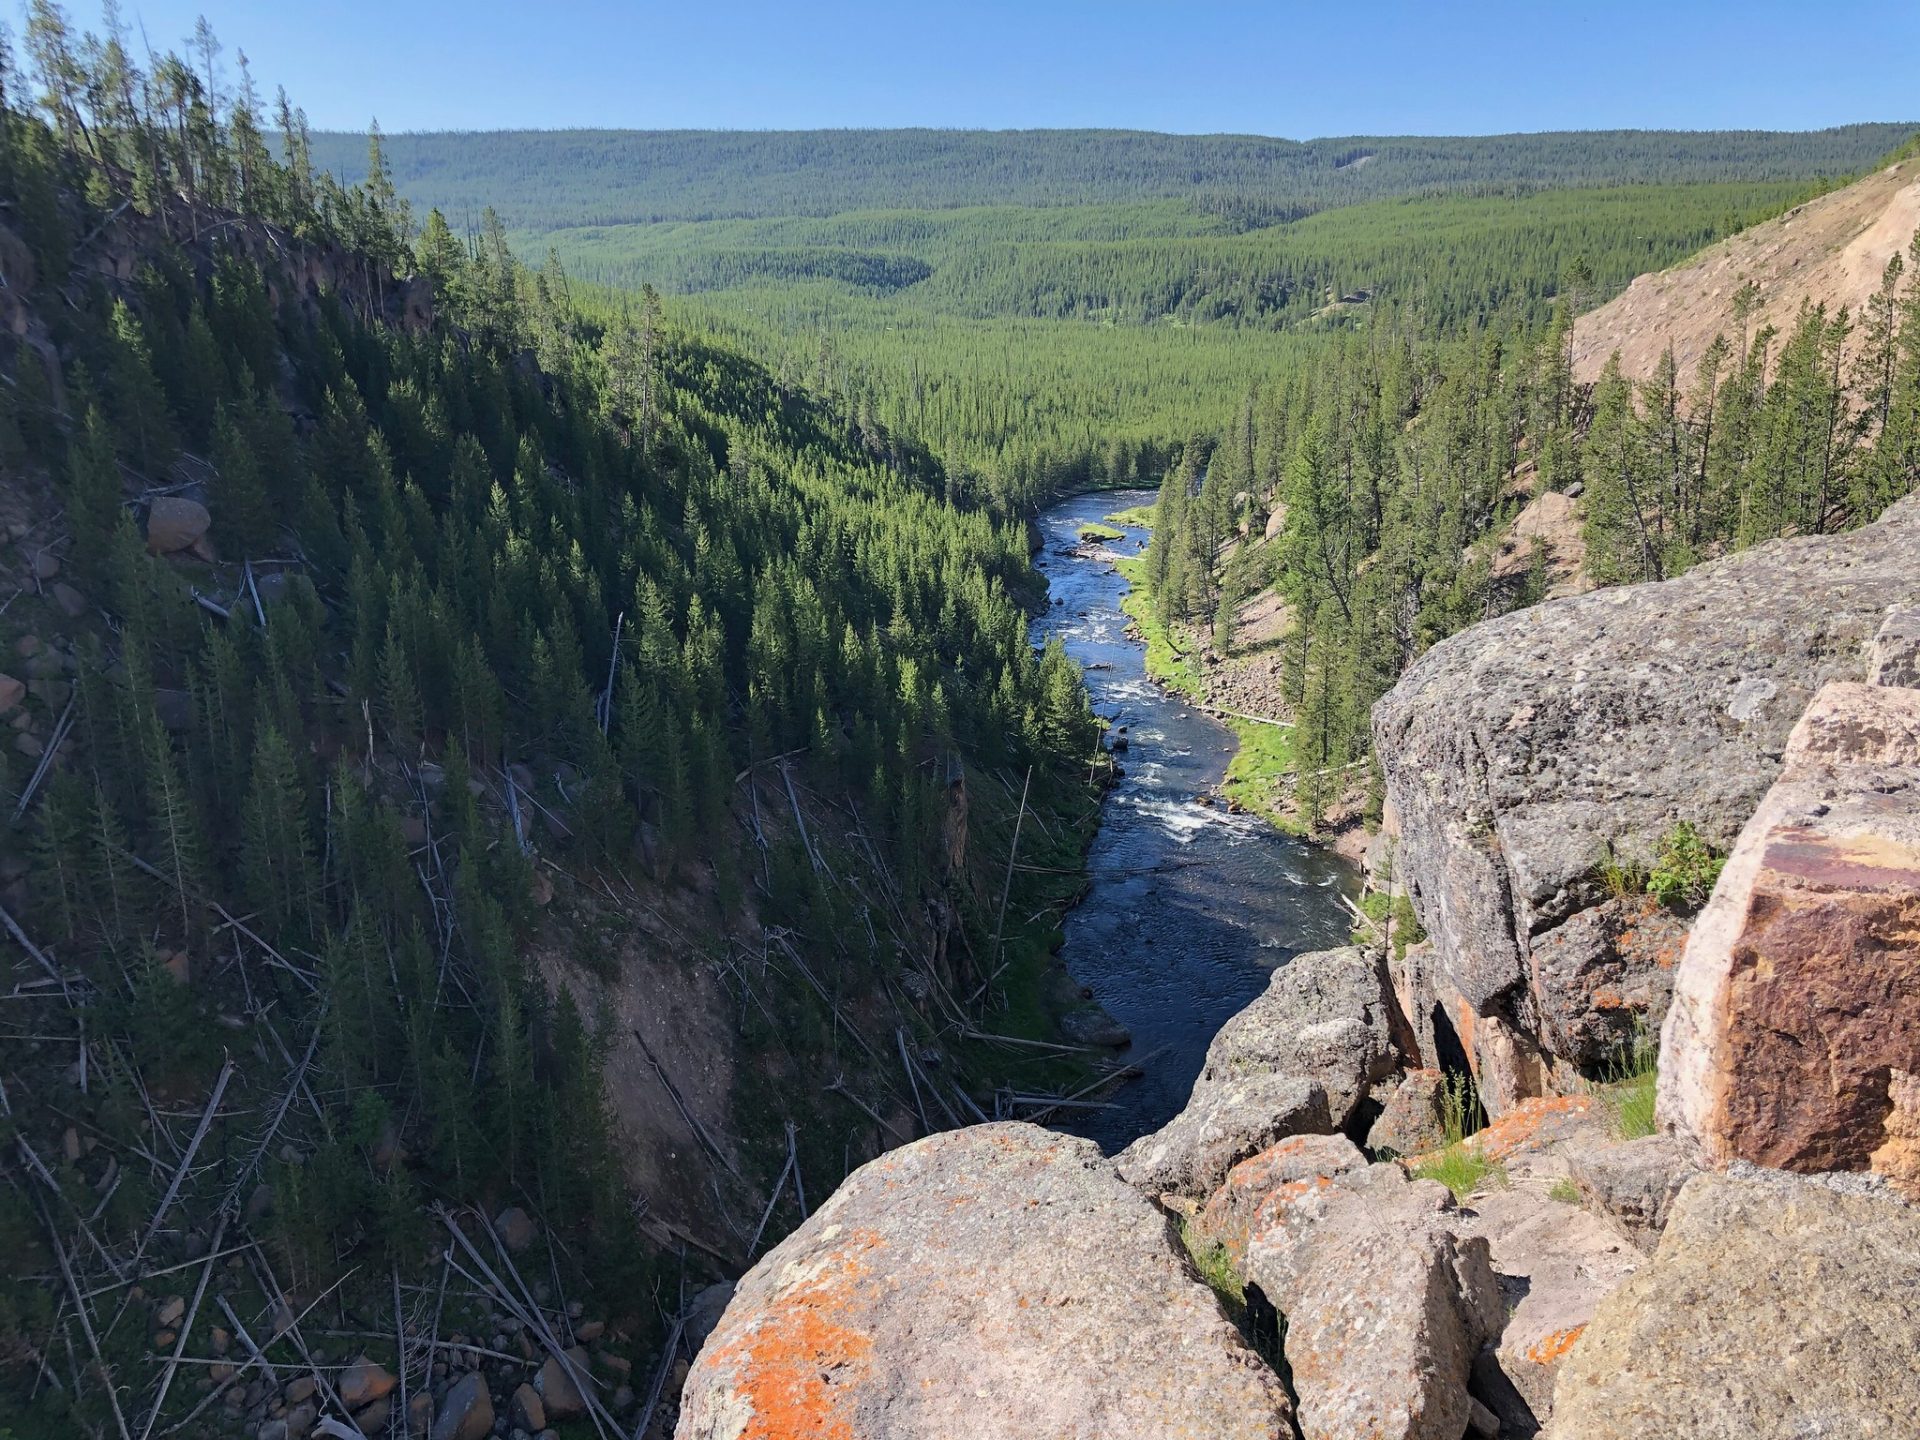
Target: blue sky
x: 1291, y: 69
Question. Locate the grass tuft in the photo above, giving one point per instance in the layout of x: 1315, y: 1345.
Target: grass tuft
x: 1631, y: 1085
x: 1464, y: 1168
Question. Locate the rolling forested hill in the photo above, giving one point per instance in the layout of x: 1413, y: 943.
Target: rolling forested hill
x: 1058, y: 308
x: 559, y: 178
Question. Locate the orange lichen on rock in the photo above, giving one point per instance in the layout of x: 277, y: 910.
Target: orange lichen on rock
x: 797, y: 1369
x: 1549, y: 1348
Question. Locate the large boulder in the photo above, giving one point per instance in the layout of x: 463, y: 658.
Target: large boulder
x: 1776, y: 1305
x: 1385, y: 1304
x: 998, y: 1281
x: 1523, y: 754
x: 1798, y: 1002
x: 175, y: 523
x: 1302, y: 1057
x: 1632, y: 1185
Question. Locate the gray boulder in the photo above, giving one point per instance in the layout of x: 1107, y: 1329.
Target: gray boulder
x: 1633, y: 1184
x: 467, y: 1411
x: 1523, y: 751
x: 1301, y: 1058
x: 1385, y: 1304
x: 1775, y: 1305
x: 998, y: 1281
x: 175, y: 523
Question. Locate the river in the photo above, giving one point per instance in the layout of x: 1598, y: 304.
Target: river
x: 1190, y: 908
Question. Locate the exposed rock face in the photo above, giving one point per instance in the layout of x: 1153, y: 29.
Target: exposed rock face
x: 1385, y: 1305
x: 1799, y: 998
x: 1894, y: 656
x: 1774, y: 1306
x: 1598, y: 976
x: 1521, y: 752
x: 1299, y: 1059
x: 998, y: 1281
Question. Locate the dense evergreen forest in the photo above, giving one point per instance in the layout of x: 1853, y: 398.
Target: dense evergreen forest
x: 516, y: 627
x: 539, y: 179
x: 1052, y: 310
x: 1394, y: 466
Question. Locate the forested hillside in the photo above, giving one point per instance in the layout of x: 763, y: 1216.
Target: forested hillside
x: 1374, y: 488
x: 540, y: 179
x: 420, y: 694
x: 1051, y: 310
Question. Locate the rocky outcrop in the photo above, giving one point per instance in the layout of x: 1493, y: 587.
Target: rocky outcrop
x: 1831, y: 251
x: 1385, y: 1305
x: 1795, y: 1028
x: 989, y: 1282
x: 1301, y: 1058
x: 1523, y: 753
x: 1774, y: 1306
x: 1410, y: 1122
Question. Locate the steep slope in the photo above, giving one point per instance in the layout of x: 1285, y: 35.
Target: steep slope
x: 1832, y: 251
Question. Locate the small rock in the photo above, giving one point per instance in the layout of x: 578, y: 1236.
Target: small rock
x: 527, y: 1410
x: 515, y: 1227
x: 163, y: 1339
x: 29, y: 745
x: 71, y: 602
x: 219, y: 1339
x: 587, y: 1332
x: 555, y: 1384
x: 12, y: 692
x: 363, y: 1382
x: 45, y: 565
x: 178, y: 965
x: 704, y: 1312
x: 300, y: 1420
x: 170, y: 1312
x: 300, y: 1388
x: 27, y: 646
x: 419, y: 1414
x: 271, y: 1430
x: 373, y: 1419
x: 70, y: 1145
x: 467, y: 1412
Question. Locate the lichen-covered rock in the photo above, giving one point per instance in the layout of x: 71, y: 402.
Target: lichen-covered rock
x: 1519, y: 753
x: 1229, y: 1215
x: 998, y: 1281
x: 1301, y: 1058
x: 1385, y: 1304
x: 1798, y: 1000
x: 1776, y: 1305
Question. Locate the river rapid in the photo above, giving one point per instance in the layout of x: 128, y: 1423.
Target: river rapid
x: 1190, y: 909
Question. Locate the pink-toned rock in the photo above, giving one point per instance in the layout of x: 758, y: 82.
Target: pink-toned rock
x: 1798, y: 1001
x: 1228, y: 1217
x: 994, y: 1283
x: 12, y: 692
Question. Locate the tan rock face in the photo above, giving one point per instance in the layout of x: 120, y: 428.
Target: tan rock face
x: 1775, y: 1306
x: 1229, y: 1215
x: 998, y: 1281
x: 175, y: 523
x: 1799, y: 995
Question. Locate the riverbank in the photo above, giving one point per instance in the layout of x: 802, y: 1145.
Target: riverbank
x: 1263, y: 760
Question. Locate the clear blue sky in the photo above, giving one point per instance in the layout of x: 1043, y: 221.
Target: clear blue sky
x: 1279, y: 68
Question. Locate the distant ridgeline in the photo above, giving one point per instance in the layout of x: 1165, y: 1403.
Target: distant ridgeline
x: 1056, y: 309
x: 554, y: 179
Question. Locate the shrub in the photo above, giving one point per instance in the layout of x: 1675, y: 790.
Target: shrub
x: 1684, y: 870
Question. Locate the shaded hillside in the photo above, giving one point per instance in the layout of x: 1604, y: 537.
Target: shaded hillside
x: 555, y: 178
x: 1831, y: 252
